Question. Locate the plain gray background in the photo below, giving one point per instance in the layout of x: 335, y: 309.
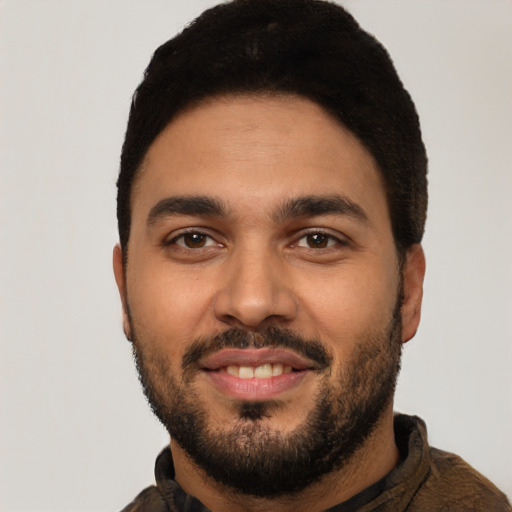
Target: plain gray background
x: 75, y: 431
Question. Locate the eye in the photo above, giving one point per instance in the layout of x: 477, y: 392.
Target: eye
x: 318, y: 240
x: 193, y: 240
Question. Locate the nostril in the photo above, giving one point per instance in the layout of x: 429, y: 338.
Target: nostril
x: 250, y: 298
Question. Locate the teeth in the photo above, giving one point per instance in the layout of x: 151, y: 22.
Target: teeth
x: 246, y: 372
x: 264, y: 371
x: 232, y: 370
x: 277, y: 370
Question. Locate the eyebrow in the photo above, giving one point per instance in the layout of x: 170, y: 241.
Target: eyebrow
x: 311, y: 206
x: 305, y: 206
x: 185, y: 205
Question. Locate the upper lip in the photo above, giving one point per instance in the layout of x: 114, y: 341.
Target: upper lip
x: 254, y: 358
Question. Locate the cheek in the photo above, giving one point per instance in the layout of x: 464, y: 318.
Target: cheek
x: 346, y: 305
x: 167, y: 304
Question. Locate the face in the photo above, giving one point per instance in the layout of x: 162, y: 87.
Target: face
x: 262, y: 290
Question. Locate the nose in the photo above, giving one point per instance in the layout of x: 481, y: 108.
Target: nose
x: 255, y: 291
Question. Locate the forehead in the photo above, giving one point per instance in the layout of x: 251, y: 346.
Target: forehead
x: 257, y: 150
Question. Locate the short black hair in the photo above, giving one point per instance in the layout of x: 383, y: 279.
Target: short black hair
x: 311, y: 48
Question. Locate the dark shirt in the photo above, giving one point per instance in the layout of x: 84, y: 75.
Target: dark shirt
x: 427, y: 479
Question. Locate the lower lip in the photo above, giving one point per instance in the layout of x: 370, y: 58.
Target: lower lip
x: 255, y: 389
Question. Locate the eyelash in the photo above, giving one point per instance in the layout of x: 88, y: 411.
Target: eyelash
x: 338, y: 241
x: 323, y: 235
x: 174, y: 240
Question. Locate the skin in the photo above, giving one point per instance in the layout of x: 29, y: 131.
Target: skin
x: 253, y: 154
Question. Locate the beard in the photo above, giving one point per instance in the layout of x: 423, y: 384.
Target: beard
x: 252, y: 458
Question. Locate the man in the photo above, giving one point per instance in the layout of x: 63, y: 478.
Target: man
x: 271, y: 204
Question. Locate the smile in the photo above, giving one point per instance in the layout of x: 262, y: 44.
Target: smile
x: 264, y: 371
x: 255, y: 374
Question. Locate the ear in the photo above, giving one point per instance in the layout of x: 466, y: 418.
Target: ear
x: 413, y: 274
x: 120, y: 275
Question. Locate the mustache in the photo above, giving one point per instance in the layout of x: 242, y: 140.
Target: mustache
x: 270, y: 337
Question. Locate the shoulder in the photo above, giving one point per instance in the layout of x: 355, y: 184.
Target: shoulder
x: 149, y: 500
x: 452, y: 484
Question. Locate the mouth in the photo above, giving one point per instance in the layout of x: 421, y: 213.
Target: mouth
x: 255, y: 374
x: 263, y: 371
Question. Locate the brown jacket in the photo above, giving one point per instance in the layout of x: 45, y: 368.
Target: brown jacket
x: 427, y: 480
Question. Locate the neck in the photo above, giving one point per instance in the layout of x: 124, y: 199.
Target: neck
x: 377, y: 457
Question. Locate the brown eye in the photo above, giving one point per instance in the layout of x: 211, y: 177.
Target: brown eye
x: 194, y: 240
x: 318, y: 241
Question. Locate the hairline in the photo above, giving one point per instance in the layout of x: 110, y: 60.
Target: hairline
x: 257, y: 94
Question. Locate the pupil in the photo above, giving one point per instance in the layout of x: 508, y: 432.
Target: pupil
x: 194, y: 240
x: 317, y: 240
